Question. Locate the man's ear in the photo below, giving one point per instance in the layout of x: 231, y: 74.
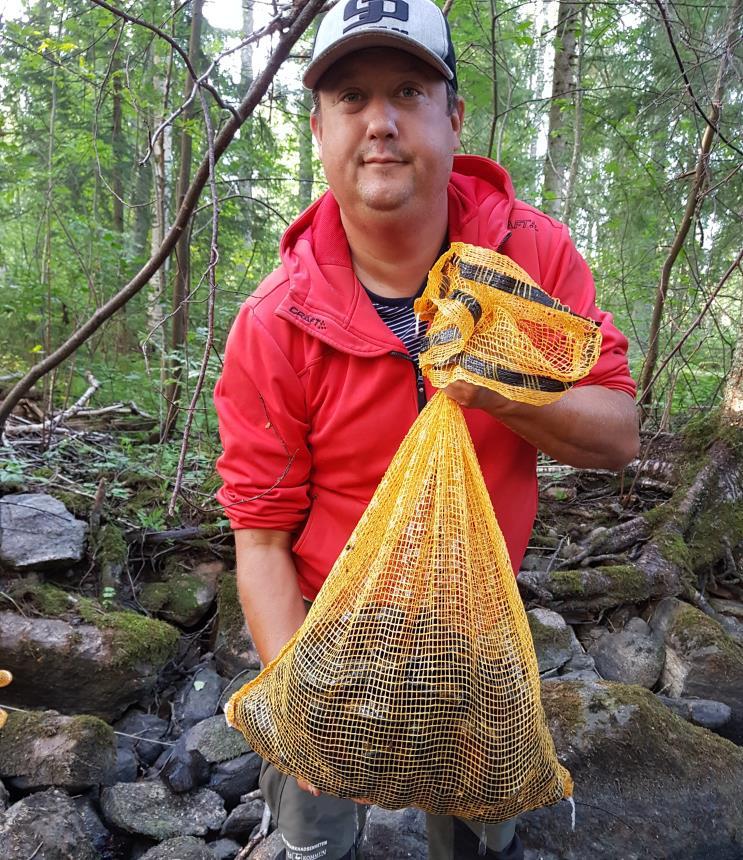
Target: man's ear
x: 457, y: 121
x: 316, y: 128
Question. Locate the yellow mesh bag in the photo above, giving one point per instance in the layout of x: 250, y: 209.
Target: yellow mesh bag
x: 413, y: 681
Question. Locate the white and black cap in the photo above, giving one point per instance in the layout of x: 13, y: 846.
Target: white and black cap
x: 415, y: 26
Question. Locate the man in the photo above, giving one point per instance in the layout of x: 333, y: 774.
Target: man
x: 321, y: 383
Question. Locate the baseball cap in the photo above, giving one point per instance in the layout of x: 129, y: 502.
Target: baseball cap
x: 416, y: 26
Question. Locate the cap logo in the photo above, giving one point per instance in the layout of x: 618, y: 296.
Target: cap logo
x: 372, y: 12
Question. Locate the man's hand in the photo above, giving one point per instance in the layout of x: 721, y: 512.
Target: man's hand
x: 590, y: 427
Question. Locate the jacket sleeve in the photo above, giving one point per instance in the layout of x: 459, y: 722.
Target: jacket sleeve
x: 263, y: 426
x: 569, y: 279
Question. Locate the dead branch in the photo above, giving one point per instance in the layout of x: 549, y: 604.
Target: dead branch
x: 297, y: 20
x: 54, y: 423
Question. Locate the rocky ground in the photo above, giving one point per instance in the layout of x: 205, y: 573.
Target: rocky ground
x: 125, y: 646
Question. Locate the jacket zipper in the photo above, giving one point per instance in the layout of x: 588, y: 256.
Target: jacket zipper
x: 420, y: 385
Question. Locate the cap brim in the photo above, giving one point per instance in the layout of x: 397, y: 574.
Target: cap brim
x: 371, y: 39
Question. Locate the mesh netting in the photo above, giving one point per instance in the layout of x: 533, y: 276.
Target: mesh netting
x: 413, y: 681
x: 492, y: 325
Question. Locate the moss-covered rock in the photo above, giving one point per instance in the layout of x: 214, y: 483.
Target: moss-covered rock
x: 554, y: 641
x: 233, y: 648
x: 100, y: 667
x: 643, y: 778
x: 43, y: 748
x: 184, y: 597
x: 111, y: 555
x: 702, y: 660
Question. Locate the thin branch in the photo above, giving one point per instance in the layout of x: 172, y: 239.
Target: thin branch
x: 687, y: 82
x: 695, y: 324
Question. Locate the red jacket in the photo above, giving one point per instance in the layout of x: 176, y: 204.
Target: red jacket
x: 313, y: 402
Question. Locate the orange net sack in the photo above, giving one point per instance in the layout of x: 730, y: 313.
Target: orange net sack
x: 413, y: 680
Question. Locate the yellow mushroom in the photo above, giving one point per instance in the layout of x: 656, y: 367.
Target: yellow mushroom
x: 5, y: 679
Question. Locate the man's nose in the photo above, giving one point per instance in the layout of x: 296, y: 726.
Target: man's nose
x: 381, y: 119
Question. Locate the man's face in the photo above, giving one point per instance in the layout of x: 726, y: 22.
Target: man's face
x: 385, y: 135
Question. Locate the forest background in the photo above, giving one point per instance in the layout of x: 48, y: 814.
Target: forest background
x: 152, y: 153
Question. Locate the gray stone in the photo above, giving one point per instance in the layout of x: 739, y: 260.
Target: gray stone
x: 199, y: 698
x: 151, y: 809
x: 4, y: 798
x: 243, y: 818
x: 45, y: 826
x: 127, y: 766
x: 702, y: 660
x: 231, y: 779
x: 236, y: 684
x: 99, y: 835
x: 554, y: 640
x: 216, y: 740
x: 643, y: 778
x: 138, y: 730
x: 180, y: 848
x: 225, y: 849
x: 634, y: 655
x: 42, y: 749
x: 702, y: 712
x: 184, y: 769
x: 83, y: 668
x: 395, y: 833
x: 37, y: 531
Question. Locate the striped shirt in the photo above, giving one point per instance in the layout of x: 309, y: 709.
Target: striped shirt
x: 398, y: 315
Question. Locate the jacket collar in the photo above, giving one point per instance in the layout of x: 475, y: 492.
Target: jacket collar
x: 325, y: 298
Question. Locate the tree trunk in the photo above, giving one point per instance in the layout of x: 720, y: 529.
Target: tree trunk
x: 562, y: 108
x: 696, y: 189
x: 568, y: 199
x: 306, y: 171
x: 731, y: 411
x: 182, y: 279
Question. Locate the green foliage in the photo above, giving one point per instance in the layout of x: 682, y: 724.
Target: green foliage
x: 66, y: 77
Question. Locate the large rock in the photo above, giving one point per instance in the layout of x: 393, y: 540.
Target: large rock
x: 45, y: 826
x: 99, y: 668
x: 234, y: 649
x: 554, y: 641
x: 180, y: 848
x: 37, y: 531
x: 634, y: 655
x: 702, y: 660
x: 151, y: 809
x: 647, y: 783
x: 42, y: 749
x: 4, y: 798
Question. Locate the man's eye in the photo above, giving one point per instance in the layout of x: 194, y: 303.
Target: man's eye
x: 409, y: 92
x: 350, y: 97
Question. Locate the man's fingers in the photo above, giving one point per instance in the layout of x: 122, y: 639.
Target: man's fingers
x: 308, y: 786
